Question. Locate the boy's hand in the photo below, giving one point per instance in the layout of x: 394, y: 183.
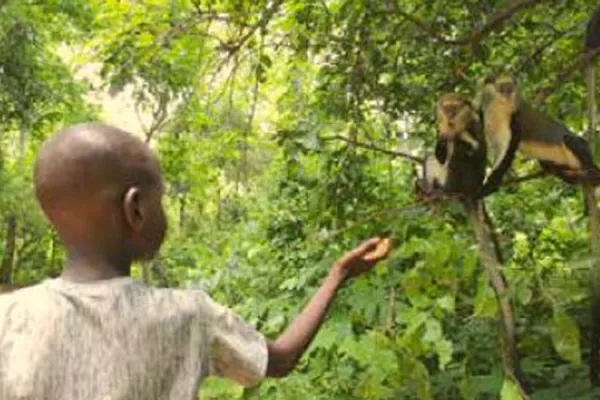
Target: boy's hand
x: 289, y: 347
x: 363, y: 258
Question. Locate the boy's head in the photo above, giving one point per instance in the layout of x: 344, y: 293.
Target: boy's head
x: 101, y: 188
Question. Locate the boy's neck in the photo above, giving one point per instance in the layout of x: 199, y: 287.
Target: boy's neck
x: 80, y: 268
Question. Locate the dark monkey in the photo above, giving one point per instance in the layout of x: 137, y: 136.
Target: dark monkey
x: 458, y: 163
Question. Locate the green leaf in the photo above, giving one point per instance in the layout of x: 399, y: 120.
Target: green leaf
x: 444, y: 351
x: 447, y: 303
x: 433, y: 331
x: 510, y: 391
x: 419, y: 380
x: 565, y: 337
x: 485, y: 303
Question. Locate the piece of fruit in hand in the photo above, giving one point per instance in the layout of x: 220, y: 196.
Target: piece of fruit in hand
x: 381, y: 251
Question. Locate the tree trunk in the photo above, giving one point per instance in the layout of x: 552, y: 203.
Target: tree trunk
x: 510, y: 355
x: 9, y: 249
x: 590, y: 82
x: 11, y: 223
x: 182, y: 199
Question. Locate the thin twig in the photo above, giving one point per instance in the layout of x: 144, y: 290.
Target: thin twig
x: 159, y: 116
x: 252, y: 112
x: 392, y: 153
x: 539, y: 51
x: 262, y: 23
x: 564, y: 75
x: 230, y: 80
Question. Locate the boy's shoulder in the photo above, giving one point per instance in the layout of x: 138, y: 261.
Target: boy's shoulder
x: 126, y: 291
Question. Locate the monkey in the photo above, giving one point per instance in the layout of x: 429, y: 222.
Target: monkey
x: 458, y: 167
x: 458, y: 163
x: 511, y: 124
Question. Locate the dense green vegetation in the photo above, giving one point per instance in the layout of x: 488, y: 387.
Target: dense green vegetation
x: 281, y: 127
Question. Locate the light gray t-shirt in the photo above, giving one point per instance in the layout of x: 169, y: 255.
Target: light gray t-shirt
x: 120, y: 340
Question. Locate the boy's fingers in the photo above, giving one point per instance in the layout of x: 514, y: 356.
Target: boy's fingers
x: 380, y: 252
x: 364, y: 248
x: 367, y: 246
x: 361, y: 250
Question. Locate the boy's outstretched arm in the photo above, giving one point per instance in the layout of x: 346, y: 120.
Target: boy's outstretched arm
x: 285, y: 352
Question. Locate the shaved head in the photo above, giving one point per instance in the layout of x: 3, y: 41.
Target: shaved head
x: 101, y: 188
x: 87, y: 160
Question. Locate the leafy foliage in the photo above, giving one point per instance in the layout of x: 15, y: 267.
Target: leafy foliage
x: 282, y: 129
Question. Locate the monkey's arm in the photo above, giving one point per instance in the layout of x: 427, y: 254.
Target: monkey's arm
x: 468, y: 139
x: 441, y: 150
x: 494, y: 180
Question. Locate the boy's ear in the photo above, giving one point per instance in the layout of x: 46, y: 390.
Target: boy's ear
x: 132, y: 208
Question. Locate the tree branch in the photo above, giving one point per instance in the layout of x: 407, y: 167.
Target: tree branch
x: 476, y: 36
x: 208, y: 14
x: 159, y: 116
x: 375, y: 148
x: 564, y: 75
x: 497, y: 21
x: 232, y: 49
x: 510, y: 355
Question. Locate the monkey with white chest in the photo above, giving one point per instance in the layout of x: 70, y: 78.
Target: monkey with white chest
x: 511, y: 124
x: 458, y: 163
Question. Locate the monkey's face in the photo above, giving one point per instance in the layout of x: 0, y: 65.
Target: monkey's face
x: 504, y: 89
x: 486, y: 90
x: 505, y: 86
x: 496, y: 88
x: 454, y: 113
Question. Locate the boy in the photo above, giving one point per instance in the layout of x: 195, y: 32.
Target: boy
x: 94, y: 333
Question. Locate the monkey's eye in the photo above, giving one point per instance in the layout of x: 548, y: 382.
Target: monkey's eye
x: 506, y: 88
x: 451, y: 111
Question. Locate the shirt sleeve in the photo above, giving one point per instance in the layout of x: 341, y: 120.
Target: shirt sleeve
x: 236, y: 350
